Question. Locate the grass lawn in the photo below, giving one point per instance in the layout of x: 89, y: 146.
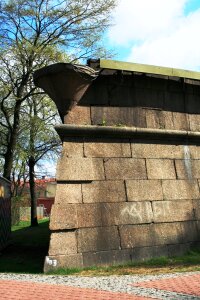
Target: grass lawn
x: 27, y: 249
x: 29, y: 246
x: 186, y: 263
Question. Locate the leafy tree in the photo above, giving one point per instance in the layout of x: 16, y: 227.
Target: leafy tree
x: 40, y: 140
x: 34, y: 33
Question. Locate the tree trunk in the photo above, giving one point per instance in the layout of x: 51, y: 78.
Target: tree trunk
x: 31, y: 163
x: 12, y: 142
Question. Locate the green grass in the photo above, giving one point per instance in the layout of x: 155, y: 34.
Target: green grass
x: 27, y: 250
x: 187, y: 262
x: 29, y: 246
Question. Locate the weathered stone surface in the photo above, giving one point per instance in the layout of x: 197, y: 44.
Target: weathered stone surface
x: 157, y: 234
x: 125, y: 168
x: 154, y: 119
x: 179, y: 249
x: 141, y: 190
x: 114, y: 116
x: 144, y: 150
x: 136, y: 236
x: 193, y: 103
x: 174, y: 101
x: 96, y: 94
x: 191, y: 231
x: 168, y: 119
x: 126, y: 213
x: 68, y: 193
x: 97, y: 239
x: 89, y: 215
x: 104, y: 191
x: 63, y: 243
x: 159, y: 119
x: 171, y: 211
x: 194, y: 122
x: 111, y: 257
x: 72, y: 148
x: 196, y: 206
x: 80, y: 169
x: 147, y: 97
x: 134, y: 213
x: 63, y: 217
x: 63, y: 261
x: 107, y: 149
x: 79, y: 115
x: 180, y: 121
x: 188, y: 169
x: 160, y: 169
x: 180, y: 189
x: 145, y: 253
x: 194, y: 151
x: 121, y: 94
x: 171, y: 233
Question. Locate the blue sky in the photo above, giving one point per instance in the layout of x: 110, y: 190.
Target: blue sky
x: 158, y: 32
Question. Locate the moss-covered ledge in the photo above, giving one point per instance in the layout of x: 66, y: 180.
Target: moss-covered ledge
x: 88, y: 131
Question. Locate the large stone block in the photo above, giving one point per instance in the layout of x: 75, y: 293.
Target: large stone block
x: 135, y: 213
x: 76, y: 169
x: 63, y: 243
x: 63, y: 217
x: 159, y: 119
x: 125, y: 168
x: 136, y: 236
x: 98, y: 239
x: 180, y: 121
x: 142, y: 190
x: 194, y: 122
x: 168, y: 233
x: 72, y: 148
x: 111, y: 257
x: 196, y: 206
x: 147, y: 97
x: 126, y: 213
x: 145, y: 253
x: 157, y: 234
x: 107, y: 149
x: 171, y: 211
x: 174, y: 101
x: 114, y: 116
x: 180, y: 189
x: 104, y: 191
x: 79, y: 115
x: 188, y: 168
x: 63, y: 261
x: 160, y: 169
x: 89, y: 215
x: 194, y: 151
x: 178, y: 249
x: 193, y: 103
x: 96, y: 94
x: 68, y: 193
x: 191, y: 231
x: 145, y: 150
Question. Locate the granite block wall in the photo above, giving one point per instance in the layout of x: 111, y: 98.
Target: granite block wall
x: 127, y: 197
x: 124, y: 200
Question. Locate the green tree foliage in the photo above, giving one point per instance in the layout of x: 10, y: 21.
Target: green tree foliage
x: 33, y: 34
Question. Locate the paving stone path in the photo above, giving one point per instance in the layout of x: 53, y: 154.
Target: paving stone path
x: 184, y: 286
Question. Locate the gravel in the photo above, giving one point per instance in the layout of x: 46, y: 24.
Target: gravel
x: 121, y: 284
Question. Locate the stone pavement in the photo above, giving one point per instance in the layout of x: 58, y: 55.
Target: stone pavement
x: 173, y: 286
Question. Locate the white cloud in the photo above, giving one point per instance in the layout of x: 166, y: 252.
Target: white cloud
x: 157, y: 32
